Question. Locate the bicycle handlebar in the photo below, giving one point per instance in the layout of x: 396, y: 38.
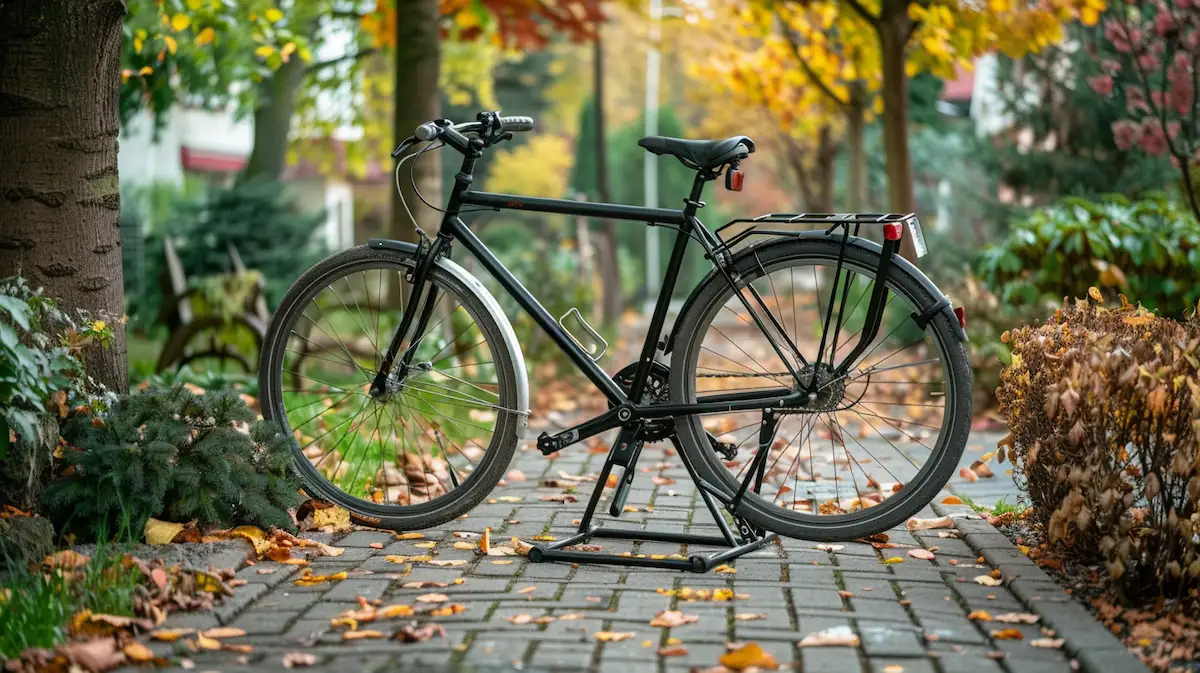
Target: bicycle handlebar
x: 433, y: 130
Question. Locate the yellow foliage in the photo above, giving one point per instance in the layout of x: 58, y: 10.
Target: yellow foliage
x: 540, y: 167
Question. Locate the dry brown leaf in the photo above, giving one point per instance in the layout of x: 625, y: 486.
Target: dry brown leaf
x: 923, y: 554
x: 170, y: 635
x: 749, y: 616
x: 65, y: 560
x: 673, y: 651
x: 988, y: 581
x: 613, y: 636
x: 138, y: 653
x: 224, y: 632
x: 441, y: 563
x: 952, y: 500
x: 485, y: 542
x: 466, y: 546
x: 750, y: 655
x: 1047, y: 643
x: 1017, y: 618
x: 100, y: 654
x: 298, y: 659
x: 930, y: 524
x: 838, y: 636
x: 980, y: 615
x: 1007, y: 634
x: 409, y: 536
x: 361, y: 635
x: 893, y: 668
x: 205, y: 643
x: 432, y: 598
x: 831, y: 547
x: 426, y: 584
x: 161, y: 532
x: 308, y: 579
x: 968, y: 474
x: 670, y: 618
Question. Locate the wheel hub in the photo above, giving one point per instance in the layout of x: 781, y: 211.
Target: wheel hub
x: 828, y: 388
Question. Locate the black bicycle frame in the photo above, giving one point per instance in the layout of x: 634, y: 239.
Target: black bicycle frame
x: 624, y: 410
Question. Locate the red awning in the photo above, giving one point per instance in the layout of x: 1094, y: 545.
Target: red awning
x: 210, y: 162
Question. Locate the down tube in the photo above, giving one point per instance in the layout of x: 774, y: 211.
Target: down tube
x: 531, y: 305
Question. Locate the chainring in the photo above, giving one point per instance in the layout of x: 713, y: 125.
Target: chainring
x: 656, y: 392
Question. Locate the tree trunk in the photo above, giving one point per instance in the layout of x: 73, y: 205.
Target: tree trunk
x: 59, y: 82
x: 417, y: 99
x: 827, y: 152
x: 857, y: 160
x: 893, y: 29
x: 607, y: 260
x: 273, y: 121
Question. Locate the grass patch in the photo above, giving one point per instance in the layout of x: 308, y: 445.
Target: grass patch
x: 1002, y: 506
x: 36, y: 607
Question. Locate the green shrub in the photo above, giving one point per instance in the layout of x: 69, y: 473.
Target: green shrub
x: 41, y: 378
x: 170, y: 454
x: 1104, y: 408
x: 1148, y: 249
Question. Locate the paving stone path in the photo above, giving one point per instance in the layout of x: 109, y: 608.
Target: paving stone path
x: 911, y: 617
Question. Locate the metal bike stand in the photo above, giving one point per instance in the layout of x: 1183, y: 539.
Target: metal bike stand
x: 747, y: 539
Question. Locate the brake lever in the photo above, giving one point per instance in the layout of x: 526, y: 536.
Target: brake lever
x: 404, y: 145
x: 507, y: 135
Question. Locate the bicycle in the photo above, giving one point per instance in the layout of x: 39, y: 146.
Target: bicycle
x: 436, y: 413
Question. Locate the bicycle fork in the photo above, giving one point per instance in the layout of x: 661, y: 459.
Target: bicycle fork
x: 416, y: 315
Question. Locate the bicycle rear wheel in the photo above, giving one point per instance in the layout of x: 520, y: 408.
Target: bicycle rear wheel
x: 438, y: 440
x: 871, y: 447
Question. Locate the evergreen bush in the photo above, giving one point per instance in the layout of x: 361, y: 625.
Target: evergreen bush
x: 170, y: 454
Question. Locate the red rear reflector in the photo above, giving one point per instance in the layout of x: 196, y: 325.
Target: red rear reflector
x: 962, y: 316
x: 893, y: 231
x: 734, y: 180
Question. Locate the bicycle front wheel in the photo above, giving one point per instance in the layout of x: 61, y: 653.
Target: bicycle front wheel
x: 439, y: 437
x: 870, y: 447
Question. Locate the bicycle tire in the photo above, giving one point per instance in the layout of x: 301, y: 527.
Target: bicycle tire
x: 482, y: 479
x: 904, y: 278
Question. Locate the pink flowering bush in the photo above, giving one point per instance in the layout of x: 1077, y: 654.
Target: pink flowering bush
x: 1157, y: 48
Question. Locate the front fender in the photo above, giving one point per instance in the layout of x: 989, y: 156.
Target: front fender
x: 748, y: 253
x: 493, y: 307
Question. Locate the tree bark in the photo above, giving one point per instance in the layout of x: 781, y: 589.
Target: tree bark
x: 857, y: 161
x: 273, y: 121
x: 417, y: 100
x: 59, y: 228
x: 607, y: 259
x: 893, y: 30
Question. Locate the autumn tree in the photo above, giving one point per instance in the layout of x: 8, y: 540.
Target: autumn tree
x: 59, y: 93
x: 416, y: 46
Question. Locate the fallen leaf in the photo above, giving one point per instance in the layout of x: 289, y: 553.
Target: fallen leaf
x: 485, y: 542
x: 750, y: 655
x: 952, y: 500
x: 980, y: 616
x: 425, y: 545
x: 441, y: 563
x: 376, y: 545
x: 206, y: 643
x: 831, y: 547
x: 1017, y: 618
x: 409, y: 536
x: 65, y: 560
x: 224, y: 632
x: 846, y: 594
x: 1007, y: 634
x: 893, y: 668
x: 161, y: 532
x: 361, y: 635
x: 988, y: 581
x: 298, y: 659
x: 448, y: 610
x: 613, y: 636
x: 893, y: 560
x: 467, y: 546
x: 982, y: 470
x: 426, y: 584
x: 308, y: 579
x: 674, y: 651
x: 671, y: 618
x: 96, y: 655
x: 329, y: 519
x: 1047, y: 643
x: 923, y: 554
x: 244, y: 648
x: 432, y: 598
x: 170, y: 635
x: 138, y: 653
x: 724, y: 569
x: 411, y: 633
x: 968, y: 474
x: 749, y: 616
x: 838, y: 636
x: 395, y: 558
x: 929, y: 524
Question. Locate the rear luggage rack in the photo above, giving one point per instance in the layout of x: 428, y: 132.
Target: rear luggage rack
x: 831, y: 221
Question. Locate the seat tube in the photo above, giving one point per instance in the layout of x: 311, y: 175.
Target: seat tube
x: 654, y: 332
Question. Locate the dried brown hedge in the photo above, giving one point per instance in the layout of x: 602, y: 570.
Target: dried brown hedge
x: 1103, y: 406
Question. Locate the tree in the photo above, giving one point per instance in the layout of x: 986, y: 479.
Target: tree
x: 59, y: 79
x: 1157, y: 62
x: 416, y: 46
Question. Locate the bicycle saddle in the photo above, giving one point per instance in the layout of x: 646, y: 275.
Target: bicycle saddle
x: 700, y: 154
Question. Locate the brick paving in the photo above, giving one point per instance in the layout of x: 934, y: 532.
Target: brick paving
x: 911, y: 615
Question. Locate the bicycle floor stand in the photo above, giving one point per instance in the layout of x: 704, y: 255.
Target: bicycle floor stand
x: 625, y: 453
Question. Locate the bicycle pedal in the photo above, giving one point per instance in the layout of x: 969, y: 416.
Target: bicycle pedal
x: 727, y: 450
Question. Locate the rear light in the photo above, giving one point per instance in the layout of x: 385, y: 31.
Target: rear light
x: 893, y: 231
x: 734, y: 179
x: 962, y: 316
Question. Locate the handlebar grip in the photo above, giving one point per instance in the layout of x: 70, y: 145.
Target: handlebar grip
x: 427, y: 131
x: 516, y: 123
